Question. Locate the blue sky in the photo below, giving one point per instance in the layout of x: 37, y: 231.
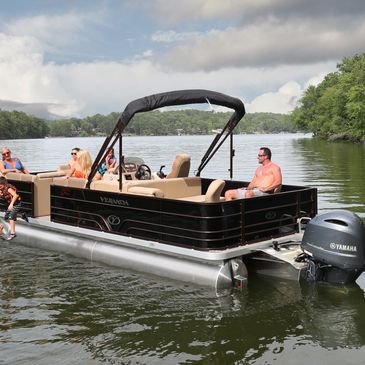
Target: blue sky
x: 76, y: 58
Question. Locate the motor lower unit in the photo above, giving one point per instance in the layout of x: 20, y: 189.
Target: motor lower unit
x: 334, y: 244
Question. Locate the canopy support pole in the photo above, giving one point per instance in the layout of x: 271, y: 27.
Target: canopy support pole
x: 232, y: 152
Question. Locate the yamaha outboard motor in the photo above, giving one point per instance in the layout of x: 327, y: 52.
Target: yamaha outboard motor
x: 335, y: 246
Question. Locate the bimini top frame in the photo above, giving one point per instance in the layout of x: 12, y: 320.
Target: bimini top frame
x: 180, y: 97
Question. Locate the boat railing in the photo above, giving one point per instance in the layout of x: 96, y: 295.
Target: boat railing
x: 172, y: 211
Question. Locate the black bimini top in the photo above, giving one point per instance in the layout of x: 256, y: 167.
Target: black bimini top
x: 171, y: 98
x: 180, y: 97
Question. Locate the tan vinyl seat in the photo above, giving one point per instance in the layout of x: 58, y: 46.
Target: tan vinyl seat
x: 19, y: 176
x: 105, y: 185
x: 214, y: 191
x: 73, y: 182
x: 213, y: 194
x: 172, y: 188
x: 180, y: 167
x: 58, y: 173
x: 141, y: 190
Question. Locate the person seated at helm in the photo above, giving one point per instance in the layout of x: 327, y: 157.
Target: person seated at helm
x: 267, y: 178
x: 11, y: 164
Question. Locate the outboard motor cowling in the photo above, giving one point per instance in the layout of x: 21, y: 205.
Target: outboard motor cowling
x: 335, y: 245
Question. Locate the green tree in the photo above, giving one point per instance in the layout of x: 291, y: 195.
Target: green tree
x: 15, y: 125
x: 335, y: 108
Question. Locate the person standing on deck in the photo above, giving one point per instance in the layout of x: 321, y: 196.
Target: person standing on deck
x: 267, y: 178
x: 11, y: 198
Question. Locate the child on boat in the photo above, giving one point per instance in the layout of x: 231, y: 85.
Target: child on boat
x: 12, y: 199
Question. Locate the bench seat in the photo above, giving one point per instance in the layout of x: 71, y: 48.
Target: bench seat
x: 168, y: 188
x: 173, y: 188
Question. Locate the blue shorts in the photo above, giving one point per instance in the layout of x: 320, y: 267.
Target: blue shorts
x: 256, y: 192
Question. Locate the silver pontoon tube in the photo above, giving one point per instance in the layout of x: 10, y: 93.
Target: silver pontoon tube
x: 217, y: 274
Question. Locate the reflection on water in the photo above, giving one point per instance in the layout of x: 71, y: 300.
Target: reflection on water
x: 338, y: 170
x: 59, y: 309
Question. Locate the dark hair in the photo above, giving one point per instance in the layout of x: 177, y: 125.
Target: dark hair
x: 3, y: 179
x: 267, y: 152
x: 76, y: 149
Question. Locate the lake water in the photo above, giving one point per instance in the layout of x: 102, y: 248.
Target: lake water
x: 56, y: 309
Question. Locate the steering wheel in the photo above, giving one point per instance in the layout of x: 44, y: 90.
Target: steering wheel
x: 143, y: 172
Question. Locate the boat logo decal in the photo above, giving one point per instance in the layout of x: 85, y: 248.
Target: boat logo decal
x: 113, y: 220
x: 338, y: 246
x: 105, y: 199
x: 270, y: 215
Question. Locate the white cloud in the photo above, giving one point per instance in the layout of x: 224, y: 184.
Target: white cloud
x: 81, y: 89
x: 103, y: 87
x: 24, y: 76
x: 283, y: 101
x: 171, y: 36
x: 263, y: 52
x: 315, y: 80
x: 147, y: 53
x: 267, y: 43
x: 246, y: 33
x: 248, y: 11
x: 52, y: 31
x: 173, y: 11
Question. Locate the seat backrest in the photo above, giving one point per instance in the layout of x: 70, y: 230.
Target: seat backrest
x: 214, y: 191
x: 73, y: 182
x: 44, y: 175
x: 172, y: 188
x: 20, y: 176
x: 180, y: 167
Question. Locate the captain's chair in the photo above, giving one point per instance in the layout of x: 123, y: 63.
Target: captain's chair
x: 180, y: 167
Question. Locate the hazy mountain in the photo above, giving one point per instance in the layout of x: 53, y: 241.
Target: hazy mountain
x: 40, y: 110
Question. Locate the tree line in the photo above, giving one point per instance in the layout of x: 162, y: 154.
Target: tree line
x: 17, y: 125
x: 335, y: 109
x: 157, y: 123
x: 190, y: 122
